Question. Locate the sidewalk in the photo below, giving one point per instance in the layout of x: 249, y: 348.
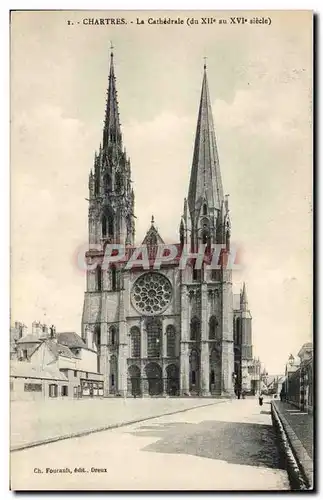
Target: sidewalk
x: 34, y: 422
x: 295, y: 431
x: 301, y: 424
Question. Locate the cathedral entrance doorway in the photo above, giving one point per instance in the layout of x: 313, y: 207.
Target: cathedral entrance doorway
x: 154, y: 378
x: 172, y: 372
x: 195, y: 372
x: 134, y: 380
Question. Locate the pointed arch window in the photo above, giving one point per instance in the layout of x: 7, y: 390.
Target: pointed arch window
x: 104, y: 226
x: 194, y: 368
x: 96, y: 184
x: 154, y: 330
x: 113, y: 278
x: 238, y: 331
x: 204, y: 209
x: 197, y: 274
x: 213, y: 327
x: 97, y: 336
x: 98, y: 272
x: 110, y: 225
x: 113, y: 374
x: 118, y: 182
x: 107, y: 182
x: 135, y: 342
x: 214, y: 356
x: 216, y: 275
x: 113, y: 335
x: 171, y: 341
x: 195, y: 328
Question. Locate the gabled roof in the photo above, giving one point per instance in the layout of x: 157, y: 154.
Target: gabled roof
x: 70, y: 339
x: 56, y: 349
x: 153, y: 237
x: 272, y: 379
x: 59, y: 349
x: 28, y: 339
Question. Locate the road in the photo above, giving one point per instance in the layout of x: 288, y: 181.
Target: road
x: 227, y: 446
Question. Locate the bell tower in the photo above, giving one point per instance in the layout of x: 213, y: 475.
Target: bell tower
x: 207, y: 357
x: 206, y: 211
x: 111, y: 220
x: 111, y: 197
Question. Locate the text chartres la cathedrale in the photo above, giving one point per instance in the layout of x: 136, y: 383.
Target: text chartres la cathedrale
x: 94, y: 21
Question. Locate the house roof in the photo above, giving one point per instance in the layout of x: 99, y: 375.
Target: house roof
x: 272, y: 379
x: 26, y: 369
x: 70, y: 339
x: 306, y: 347
x: 29, y: 339
x: 59, y: 349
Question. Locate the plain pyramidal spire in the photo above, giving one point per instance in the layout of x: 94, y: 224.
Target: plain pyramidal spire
x: 112, y: 130
x: 205, y: 180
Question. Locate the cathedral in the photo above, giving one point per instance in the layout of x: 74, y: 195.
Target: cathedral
x: 173, y: 330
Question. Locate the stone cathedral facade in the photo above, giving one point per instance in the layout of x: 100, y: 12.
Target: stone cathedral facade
x: 167, y: 331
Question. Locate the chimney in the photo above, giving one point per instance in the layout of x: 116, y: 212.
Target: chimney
x: 52, y: 330
x: 24, y: 330
x: 18, y: 329
x: 44, y: 330
x: 36, y: 328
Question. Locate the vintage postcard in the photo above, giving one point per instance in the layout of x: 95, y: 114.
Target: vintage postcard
x: 161, y: 250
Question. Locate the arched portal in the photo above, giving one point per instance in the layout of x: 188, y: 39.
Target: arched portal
x: 154, y: 378
x: 113, y: 382
x: 172, y: 372
x: 195, y: 371
x: 134, y: 380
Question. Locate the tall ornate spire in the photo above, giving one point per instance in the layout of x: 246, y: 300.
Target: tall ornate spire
x: 111, y: 210
x: 112, y: 131
x: 205, y: 181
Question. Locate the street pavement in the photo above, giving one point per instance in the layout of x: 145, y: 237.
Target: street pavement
x: 228, y: 446
x: 300, y: 422
x: 32, y: 421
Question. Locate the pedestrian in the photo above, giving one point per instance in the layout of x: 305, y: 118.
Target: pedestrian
x: 260, y: 399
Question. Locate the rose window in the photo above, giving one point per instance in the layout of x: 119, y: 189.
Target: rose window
x: 151, y: 293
